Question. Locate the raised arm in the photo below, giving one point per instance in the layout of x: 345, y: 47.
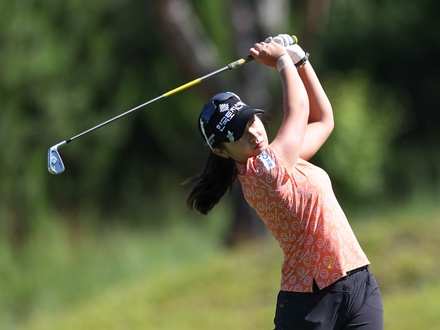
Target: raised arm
x: 320, y: 123
x: 290, y: 137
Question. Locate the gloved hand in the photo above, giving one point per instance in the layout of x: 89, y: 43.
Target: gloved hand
x: 294, y: 50
x: 283, y: 39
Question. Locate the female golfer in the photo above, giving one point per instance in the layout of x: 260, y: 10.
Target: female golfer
x: 326, y: 282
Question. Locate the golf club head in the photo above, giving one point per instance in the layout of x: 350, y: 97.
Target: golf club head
x: 54, y: 162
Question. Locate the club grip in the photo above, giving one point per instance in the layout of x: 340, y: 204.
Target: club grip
x: 238, y: 63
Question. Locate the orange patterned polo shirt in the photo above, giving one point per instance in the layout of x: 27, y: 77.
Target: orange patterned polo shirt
x: 302, y: 213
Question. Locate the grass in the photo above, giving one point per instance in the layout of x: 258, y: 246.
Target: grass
x: 213, y: 293
x: 182, y: 279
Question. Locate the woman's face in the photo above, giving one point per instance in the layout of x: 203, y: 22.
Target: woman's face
x: 251, y: 144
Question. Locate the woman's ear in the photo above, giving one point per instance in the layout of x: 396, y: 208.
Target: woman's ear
x: 220, y: 152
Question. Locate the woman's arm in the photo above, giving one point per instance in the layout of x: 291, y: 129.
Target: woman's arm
x: 320, y: 123
x: 290, y: 137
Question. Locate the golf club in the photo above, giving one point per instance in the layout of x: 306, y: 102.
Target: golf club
x: 55, y: 164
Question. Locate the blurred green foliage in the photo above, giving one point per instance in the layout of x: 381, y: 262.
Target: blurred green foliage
x: 67, y: 66
x: 368, y: 118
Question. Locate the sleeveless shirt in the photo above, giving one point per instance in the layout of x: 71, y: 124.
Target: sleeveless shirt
x: 302, y: 213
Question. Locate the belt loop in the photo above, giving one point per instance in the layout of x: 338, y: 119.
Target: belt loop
x: 351, y: 272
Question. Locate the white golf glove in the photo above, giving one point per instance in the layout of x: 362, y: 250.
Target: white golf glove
x: 296, y: 53
x: 283, y: 39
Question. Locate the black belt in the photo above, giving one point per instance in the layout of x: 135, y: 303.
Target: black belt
x: 354, y: 271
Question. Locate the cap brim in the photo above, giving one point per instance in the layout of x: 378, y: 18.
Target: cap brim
x: 240, y: 121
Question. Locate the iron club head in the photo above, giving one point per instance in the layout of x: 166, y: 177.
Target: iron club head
x: 54, y: 162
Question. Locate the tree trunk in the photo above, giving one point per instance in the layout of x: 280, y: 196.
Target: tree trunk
x: 251, y: 21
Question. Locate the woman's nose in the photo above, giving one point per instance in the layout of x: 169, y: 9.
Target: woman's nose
x: 253, y: 135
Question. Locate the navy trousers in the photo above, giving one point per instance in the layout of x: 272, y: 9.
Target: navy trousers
x: 353, y: 302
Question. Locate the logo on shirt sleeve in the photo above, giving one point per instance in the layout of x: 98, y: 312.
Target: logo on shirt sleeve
x: 267, y: 160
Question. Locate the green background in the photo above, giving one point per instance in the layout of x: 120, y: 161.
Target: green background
x: 110, y: 244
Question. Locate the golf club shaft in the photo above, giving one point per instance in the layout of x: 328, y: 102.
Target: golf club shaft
x: 230, y: 66
x: 55, y: 163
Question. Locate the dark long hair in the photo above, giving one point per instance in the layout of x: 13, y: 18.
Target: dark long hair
x: 216, y: 178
